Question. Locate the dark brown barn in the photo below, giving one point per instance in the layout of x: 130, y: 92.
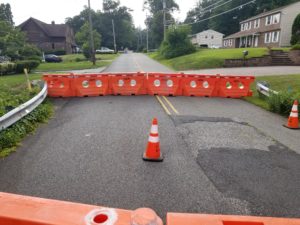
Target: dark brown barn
x: 49, y: 37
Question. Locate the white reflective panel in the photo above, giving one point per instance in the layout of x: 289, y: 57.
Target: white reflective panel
x: 121, y: 83
x: 241, y: 86
x: 205, y: 84
x: 193, y: 84
x: 156, y: 83
x: 228, y: 85
x: 85, y: 84
x: 169, y: 83
x: 132, y: 83
x: 98, y: 83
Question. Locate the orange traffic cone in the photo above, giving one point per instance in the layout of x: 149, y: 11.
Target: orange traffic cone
x: 152, y: 152
x: 293, y: 122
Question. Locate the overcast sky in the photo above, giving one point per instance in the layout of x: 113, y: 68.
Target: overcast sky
x: 58, y: 10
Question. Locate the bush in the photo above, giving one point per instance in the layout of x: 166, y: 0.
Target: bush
x: 296, y: 31
x: 10, y: 137
x: 177, y: 43
x: 7, y: 68
x: 30, y: 52
x: 28, y: 64
x: 296, y: 47
x: 281, y: 103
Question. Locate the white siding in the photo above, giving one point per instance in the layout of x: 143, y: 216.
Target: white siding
x: 287, y: 18
x: 210, y: 38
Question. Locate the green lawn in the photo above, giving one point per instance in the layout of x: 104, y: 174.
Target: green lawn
x: 207, y: 58
x: 77, y: 62
x: 80, y: 57
x: 277, y: 83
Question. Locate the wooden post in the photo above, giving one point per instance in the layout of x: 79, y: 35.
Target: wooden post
x: 27, y: 80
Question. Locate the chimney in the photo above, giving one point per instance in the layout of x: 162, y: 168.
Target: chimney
x: 53, y: 22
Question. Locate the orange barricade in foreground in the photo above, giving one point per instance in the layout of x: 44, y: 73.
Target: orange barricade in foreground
x: 128, y: 84
x: 164, y: 84
x: 205, y: 219
x: 199, y: 85
x: 91, y: 85
x: 234, y: 87
x: 23, y: 210
x: 60, y: 85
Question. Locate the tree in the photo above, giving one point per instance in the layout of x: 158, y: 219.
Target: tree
x: 296, y: 31
x: 83, y: 40
x: 177, y: 42
x: 102, y: 23
x: 155, y: 20
x: 6, y: 14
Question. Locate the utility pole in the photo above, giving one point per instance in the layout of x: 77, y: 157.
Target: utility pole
x: 114, y: 34
x: 164, y: 22
x: 147, y: 37
x: 91, y: 35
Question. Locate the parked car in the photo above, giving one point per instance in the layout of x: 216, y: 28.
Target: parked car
x: 53, y: 58
x: 104, y: 50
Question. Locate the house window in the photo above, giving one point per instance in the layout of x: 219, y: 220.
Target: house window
x: 230, y: 42
x: 242, y: 27
x: 276, y: 18
x: 256, y: 23
x: 268, y: 20
x: 275, y: 36
x: 268, y: 37
x: 212, y: 37
x: 53, y: 46
x: 225, y: 43
x: 205, y: 36
x: 249, y: 26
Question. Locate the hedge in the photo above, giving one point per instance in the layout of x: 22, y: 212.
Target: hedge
x: 28, y: 64
x: 7, y: 68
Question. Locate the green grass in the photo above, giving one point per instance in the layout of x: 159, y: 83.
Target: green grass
x: 277, y: 83
x: 80, y: 57
x: 13, y: 92
x: 77, y: 62
x: 207, y: 58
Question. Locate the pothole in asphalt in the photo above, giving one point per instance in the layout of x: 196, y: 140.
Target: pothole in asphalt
x: 206, y: 133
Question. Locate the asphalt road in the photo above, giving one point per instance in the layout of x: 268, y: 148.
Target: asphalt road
x: 222, y: 156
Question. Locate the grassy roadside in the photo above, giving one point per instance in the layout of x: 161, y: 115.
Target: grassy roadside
x: 77, y: 62
x: 207, y: 58
x: 13, y: 92
x: 283, y: 83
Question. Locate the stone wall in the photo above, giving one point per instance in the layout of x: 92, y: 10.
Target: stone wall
x: 256, y: 61
x: 294, y: 55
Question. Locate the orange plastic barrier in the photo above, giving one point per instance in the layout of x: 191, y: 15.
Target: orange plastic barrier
x: 205, y: 219
x: 91, y: 85
x: 128, y: 84
x: 164, y: 84
x: 234, y: 87
x: 60, y: 85
x: 23, y: 210
x: 199, y: 85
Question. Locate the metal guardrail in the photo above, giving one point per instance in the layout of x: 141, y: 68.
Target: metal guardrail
x: 18, y: 113
x: 264, y: 90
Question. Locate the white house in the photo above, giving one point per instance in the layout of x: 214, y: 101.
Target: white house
x: 208, y: 38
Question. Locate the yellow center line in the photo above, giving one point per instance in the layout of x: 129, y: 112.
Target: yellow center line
x: 138, y: 66
x: 171, y: 105
x: 163, y: 105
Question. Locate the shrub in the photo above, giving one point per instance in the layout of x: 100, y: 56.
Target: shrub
x: 177, y: 43
x: 30, y: 52
x: 28, y: 64
x: 7, y: 68
x: 296, y: 47
x: 281, y: 103
x: 296, y: 31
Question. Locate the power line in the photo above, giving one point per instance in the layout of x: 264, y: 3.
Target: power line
x: 202, y: 13
x: 212, y: 5
x: 238, y: 7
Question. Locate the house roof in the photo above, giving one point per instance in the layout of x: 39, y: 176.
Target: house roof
x: 268, y: 12
x: 209, y: 30
x: 52, y: 30
x: 242, y: 34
